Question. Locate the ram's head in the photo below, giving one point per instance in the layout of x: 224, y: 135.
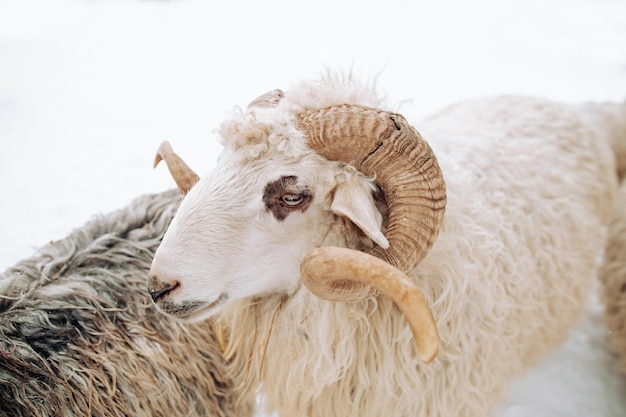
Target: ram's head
x: 345, y: 199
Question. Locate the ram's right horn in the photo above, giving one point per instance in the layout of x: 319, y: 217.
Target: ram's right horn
x: 327, y: 270
x: 183, y: 175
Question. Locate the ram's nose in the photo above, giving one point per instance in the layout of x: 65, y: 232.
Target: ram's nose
x: 159, y: 288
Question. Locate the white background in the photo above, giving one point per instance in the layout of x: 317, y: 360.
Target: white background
x: 89, y: 88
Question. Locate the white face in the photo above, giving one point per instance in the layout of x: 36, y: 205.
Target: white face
x: 241, y: 231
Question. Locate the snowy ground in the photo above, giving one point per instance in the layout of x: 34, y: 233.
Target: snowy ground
x: 88, y: 89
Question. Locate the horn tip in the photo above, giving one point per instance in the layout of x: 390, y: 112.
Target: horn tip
x: 158, y: 158
x: 428, y: 354
x: 164, y: 148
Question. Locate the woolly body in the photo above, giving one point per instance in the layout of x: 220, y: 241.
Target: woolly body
x: 613, y: 278
x: 530, y: 185
x: 79, y: 335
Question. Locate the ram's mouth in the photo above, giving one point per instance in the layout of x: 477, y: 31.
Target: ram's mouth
x: 193, y: 310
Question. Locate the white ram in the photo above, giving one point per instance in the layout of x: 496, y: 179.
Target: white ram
x: 529, y: 185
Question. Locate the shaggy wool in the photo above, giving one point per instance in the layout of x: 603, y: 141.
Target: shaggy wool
x: 613, y: 278
x: 79, y: 335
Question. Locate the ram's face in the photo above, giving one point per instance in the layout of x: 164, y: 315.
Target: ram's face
x: 241, y: 231
x: 287, y: 184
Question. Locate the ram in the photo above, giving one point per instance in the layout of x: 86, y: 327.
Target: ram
x: 79, y: 335
x: 368, y: 268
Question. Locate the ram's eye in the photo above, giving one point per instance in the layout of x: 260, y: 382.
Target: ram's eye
x: 285, y: 196
x: 292, y: 199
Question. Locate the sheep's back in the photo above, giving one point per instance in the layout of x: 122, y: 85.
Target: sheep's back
x: 530, y: 185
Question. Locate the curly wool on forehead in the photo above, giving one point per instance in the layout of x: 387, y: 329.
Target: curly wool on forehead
x: 252, y: 135
x: 257, y: 130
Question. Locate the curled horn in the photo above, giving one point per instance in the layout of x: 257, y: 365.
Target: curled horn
x: 183, y: 175
x: 383, y: 145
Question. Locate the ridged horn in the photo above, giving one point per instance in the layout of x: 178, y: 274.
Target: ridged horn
x: 183, y: 175
x: 384, y: 145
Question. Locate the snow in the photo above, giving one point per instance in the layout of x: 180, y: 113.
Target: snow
x: 89, y: 88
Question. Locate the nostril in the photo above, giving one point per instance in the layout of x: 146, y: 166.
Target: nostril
x: 158, y: 288
x: 158, y: 293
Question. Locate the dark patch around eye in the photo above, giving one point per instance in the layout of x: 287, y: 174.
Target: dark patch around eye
x: 285, y: 185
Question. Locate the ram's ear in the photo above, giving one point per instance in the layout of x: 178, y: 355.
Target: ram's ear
x: 353, y: 199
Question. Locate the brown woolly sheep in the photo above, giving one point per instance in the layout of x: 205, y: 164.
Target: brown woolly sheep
x: 79, y: 335
x: 613, y: 278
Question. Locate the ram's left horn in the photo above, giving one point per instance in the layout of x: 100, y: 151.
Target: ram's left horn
x: 183, y: 175
x: 326, y: 270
